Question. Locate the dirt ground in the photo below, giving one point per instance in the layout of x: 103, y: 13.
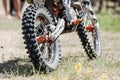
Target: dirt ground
x: 11, y: 44
x: 11, y: 47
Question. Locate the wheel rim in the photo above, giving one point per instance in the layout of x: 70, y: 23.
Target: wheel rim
x: 46, y: 48
x: 93, y: 38
x: 92, y: 34
x: 97, y: 46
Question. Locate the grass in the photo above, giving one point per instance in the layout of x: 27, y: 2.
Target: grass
x: 105, y: 68
x: 109, y: 22
x: 90, y: 70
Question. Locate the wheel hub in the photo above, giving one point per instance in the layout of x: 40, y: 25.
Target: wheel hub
x: 90, y: 28
x: 42, y: 39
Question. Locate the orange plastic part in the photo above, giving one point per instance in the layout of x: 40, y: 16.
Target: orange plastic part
x: 75, y: 22
x: 41, y: 39
x: 56, y: 10
x: 90, y: 28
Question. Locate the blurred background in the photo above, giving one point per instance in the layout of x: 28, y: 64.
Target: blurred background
x: 15, y: 64
x: 12, y: 8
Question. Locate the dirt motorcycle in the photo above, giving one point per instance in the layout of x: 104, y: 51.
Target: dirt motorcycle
x: 45, y: 20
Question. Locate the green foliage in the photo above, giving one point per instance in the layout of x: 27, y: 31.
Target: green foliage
x: 109, y: 22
